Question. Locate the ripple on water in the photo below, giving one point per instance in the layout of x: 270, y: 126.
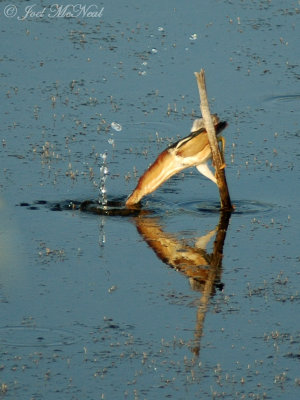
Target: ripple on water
x: 151, y: 206
x: 113, y: 206
x: 22, y: 336
x: 241, y: 206
x: 286, y: 102
x: 116, y: 207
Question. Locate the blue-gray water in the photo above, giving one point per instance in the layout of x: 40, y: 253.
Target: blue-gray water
x: 88, y: 310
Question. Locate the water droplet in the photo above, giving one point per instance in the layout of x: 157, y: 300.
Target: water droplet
x: 117, y: 127
x: 103, y: 156
x: 111, y: 141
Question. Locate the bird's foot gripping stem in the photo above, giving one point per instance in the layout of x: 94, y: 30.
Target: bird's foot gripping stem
x: 222, y: 150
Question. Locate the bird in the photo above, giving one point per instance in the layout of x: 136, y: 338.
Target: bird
x: 193, y: 150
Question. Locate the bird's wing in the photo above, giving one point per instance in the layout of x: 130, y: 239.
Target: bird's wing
x: 192, y: 144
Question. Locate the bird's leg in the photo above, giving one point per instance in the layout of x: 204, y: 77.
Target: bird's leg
x: 222, y: 150
x: 223, y: 141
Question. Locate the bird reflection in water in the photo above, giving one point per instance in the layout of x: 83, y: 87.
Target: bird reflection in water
x: 203, y: 269
x: 177, y: 253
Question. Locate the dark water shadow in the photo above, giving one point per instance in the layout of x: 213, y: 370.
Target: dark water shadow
x: 154, y: 206
x: 112, y: 207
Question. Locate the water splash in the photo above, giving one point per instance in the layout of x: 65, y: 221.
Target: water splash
x: 102, y: 200
x: 102, y: 237
x: 104, y: 172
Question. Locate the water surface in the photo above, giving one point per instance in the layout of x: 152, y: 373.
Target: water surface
x: 89, y: 309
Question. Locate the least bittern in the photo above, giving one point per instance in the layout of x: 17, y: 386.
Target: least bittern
x: 192, y: 151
